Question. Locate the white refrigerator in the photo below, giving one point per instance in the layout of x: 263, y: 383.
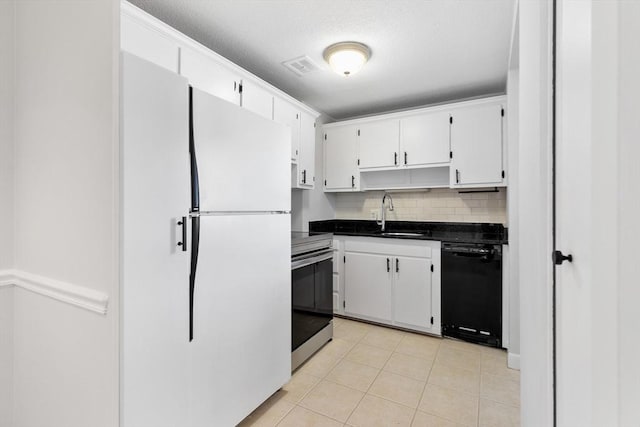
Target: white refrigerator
x: 206, y: 293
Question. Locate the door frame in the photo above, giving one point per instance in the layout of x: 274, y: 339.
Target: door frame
x: 535, y: 180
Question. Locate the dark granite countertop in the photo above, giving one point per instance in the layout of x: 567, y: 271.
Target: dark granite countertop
x: 442, y: 231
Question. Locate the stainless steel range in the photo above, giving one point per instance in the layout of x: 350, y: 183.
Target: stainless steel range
x: 311, y: 294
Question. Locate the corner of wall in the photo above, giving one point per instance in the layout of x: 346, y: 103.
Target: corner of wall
x: 513, y: 361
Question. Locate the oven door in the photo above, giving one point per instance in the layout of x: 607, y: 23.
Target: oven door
x: 311, y: 295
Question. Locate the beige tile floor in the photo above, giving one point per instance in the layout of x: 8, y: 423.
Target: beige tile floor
x: 374, y: 376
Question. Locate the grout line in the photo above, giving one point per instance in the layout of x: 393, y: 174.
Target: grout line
x: 285, y: 415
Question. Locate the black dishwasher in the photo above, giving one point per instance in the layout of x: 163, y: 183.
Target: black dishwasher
x: 472, y: 292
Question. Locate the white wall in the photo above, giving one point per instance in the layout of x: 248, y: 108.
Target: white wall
x: 534, y: 181
x: 628, y: 197
x: 66, y: 181
x: 313, y: 205
x: 6, y: 208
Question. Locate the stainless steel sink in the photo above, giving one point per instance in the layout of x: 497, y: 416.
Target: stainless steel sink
x: 403, y: 234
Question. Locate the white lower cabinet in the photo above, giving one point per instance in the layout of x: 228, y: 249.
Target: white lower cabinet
x: 367, y: 291
x: 412, y: 292
x: 394, y: 282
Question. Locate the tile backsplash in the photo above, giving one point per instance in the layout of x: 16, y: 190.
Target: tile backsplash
x: 441, y: 204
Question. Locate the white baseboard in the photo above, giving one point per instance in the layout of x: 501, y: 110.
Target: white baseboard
x: 79, y: 296
x: 513, y: 361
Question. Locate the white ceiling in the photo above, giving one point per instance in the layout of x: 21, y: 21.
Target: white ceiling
x: 423, y: 51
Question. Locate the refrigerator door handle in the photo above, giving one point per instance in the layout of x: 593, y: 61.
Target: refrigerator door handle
x: 195, y: 181
x: 183, y: 243
x: 195, y: 220
x: 195, y: 246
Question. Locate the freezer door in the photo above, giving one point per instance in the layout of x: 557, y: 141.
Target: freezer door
x: 241, y: 349
x: 155, y: 270
x: 243, y: 159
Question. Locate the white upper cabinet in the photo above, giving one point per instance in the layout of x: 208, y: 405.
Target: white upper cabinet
x: 306, y: 160
x: 476, y: 143
x: 257, y: 99
x: 205, y: 73
x: 303, y: 141
x: 341, y: 158
x: 286, y: 114
x: 379, y: 144
x: 424, y: 139
x: 459, y: 145
x: 148, y: 43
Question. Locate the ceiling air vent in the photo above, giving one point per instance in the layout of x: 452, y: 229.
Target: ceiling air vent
x: 301, y: 66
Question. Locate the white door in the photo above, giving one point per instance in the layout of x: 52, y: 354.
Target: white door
x: 412, y: 292
x: 589, y: 317
x: 367, y: 286
x: 243, y: 159
x: 379, y: 144
x: 241, y: 348
x: 287, y: 114
x: 210, y: 76
x: 476, y: 143
x: 306, y: 163
x: 257, y: 99
x: 155, y: 270
x: 424, y: 139
x: 340, y: 158
x: 596, y: 211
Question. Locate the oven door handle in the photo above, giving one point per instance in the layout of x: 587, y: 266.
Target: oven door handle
x: 323, y: 256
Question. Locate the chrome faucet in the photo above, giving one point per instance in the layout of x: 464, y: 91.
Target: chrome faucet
x: 383, y: 210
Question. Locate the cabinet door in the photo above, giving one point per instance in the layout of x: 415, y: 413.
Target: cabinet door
x: 476, y: 142
x: 306, y: 160
x: 206, y: 74
x: 367, y: 286
x: 412, y: 290
x: 425, y: 139
x: 379, y: 144
x: 257, y: 99
x: 287, y: 114
x: 340, y: 159
x: 148, y: 43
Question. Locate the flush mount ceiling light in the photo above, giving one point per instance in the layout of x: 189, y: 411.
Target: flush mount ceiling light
x: 347, y: 58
